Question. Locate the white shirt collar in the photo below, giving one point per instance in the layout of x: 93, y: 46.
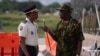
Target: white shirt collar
x: 29, y: 20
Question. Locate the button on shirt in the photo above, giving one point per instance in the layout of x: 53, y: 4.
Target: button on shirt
x: 29, y: 31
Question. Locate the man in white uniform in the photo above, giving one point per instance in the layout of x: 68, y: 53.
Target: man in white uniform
x: 28, y: 36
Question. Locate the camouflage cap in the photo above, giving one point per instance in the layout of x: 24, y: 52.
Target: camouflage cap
x: 64, y: 7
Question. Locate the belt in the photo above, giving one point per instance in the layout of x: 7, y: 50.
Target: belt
x: 32, y: 46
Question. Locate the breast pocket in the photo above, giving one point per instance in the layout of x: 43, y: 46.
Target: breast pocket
x: 32, y: 32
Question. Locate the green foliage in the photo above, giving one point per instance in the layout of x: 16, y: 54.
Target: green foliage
x: 12, y: 20
x: 50, y: 8
x: 13, y: 5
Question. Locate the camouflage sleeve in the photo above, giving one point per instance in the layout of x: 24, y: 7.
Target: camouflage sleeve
x: 55, y: 32
x: 79, y: 33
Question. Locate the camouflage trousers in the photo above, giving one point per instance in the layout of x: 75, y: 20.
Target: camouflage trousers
x: 58, y: 53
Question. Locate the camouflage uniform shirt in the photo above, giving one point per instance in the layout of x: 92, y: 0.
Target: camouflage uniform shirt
x: 67, y: 35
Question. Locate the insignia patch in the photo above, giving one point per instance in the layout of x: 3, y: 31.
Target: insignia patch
x: 32, y: 32
x: 21, y: 28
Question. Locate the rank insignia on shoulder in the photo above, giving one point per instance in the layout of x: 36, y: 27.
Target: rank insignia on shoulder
x: 21, y: 28
x: 25, y: 21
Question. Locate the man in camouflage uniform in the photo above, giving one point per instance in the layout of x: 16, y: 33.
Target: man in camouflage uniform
x: 68, y: 34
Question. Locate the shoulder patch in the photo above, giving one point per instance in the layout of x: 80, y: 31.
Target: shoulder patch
x: 21, y: 28
x: 25, y: 21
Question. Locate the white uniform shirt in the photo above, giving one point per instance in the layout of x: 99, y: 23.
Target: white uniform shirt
x: 29, y: 31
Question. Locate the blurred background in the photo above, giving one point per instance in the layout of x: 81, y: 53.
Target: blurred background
x: 87, y: 12
x: 11, y: 14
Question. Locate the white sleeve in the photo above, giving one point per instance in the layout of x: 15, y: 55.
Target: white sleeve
x: 22, y: 30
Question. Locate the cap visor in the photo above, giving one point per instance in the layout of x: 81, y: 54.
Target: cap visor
x: 34, y: 10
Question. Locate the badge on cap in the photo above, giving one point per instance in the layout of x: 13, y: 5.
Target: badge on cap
x: 21, y: 28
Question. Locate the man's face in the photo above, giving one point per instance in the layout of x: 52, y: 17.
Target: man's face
x: 64, y: 13
x: 34, y: 15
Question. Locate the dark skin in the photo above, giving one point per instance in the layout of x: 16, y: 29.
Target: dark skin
x: 65, y: 15
x: 32, y: 16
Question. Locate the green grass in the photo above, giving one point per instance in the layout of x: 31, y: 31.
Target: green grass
x: 12, y: 20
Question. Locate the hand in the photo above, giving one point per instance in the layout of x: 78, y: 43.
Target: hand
x: 37, y: 50
x: 45, y: 28
x: 27, y: 55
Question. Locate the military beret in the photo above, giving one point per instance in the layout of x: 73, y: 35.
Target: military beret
x: 30, y: 8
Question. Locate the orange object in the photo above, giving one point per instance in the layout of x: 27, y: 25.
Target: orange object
x: 9, y: 43
x: 50, y: 44
x: 9, y: 39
